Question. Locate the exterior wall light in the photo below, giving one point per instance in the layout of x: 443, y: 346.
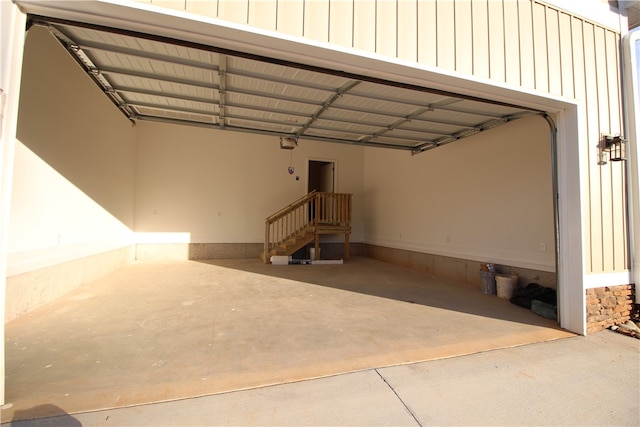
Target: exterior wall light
x: 615, y: 145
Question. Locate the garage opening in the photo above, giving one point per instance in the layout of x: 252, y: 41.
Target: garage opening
x: 167, y: 82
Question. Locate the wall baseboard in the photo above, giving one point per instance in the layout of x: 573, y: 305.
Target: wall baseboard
x: 460, y: 270
x: 30, y: 290
x: 196, y: 251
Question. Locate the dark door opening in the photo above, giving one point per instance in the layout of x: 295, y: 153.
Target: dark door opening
x: 321, y: 176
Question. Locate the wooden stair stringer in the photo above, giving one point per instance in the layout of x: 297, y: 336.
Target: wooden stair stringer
x: 289, y: 247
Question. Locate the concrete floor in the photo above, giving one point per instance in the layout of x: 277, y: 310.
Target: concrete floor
x: 155, y: 332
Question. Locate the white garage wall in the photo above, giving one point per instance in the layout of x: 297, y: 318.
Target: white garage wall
x: 53, y: 221
x: 73, y: 183
x: 64, y: 119
x: 218, y: 187
x: 486, y: 198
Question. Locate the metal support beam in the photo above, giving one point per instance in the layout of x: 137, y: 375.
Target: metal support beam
x: 222, y: 73
x: 344, y: 89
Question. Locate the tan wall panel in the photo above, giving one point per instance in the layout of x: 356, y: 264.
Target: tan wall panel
x: 620, y: 228
x: 592, y: 137
x: 578, y: 60
x: 341, y: 22
x: 445, y: 27
x: 464, y: 37
x: 601, y: 174
x: 408, y: 34
x: 364, y: 25
x: 263, y: 14
x: 604, y: 113
x: 480, y: 25
x: 386, y: 28
x: 496, y: 41
x: 427, y: 46
x: 566, y: 55
x: 553, y: 53
x: 540, y: 47
x: 316, y: 20
x: 205, y: 8
x: 612, y: 41
x: 233, y: 10
x: 580, y: 90
x: 290, y: 19
x: 511, y: 42
x: 171, y: 4
x: 525, y: 22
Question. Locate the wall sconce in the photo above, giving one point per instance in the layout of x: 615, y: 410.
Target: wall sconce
x: 615, y: 145
x: 288, y: 143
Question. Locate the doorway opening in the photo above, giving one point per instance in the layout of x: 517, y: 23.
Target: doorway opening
x: 321, y: 176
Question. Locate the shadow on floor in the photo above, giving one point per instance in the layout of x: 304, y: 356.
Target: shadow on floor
x: 57, y: 417
x: 376, y: 278
x: 156, y: 332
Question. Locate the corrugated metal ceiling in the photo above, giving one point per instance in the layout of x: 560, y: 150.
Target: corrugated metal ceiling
x: 151, y: 78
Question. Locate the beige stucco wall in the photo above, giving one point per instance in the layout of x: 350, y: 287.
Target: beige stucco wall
x: 66, y: 120
x: 73, y: 186
x: 525, y: 43
x: 219, y: 186
x: 485, y: 198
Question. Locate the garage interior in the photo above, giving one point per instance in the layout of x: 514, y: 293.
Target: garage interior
x: 222, y: 325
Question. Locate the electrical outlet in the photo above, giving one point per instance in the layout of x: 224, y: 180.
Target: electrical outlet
x: 543, y: 246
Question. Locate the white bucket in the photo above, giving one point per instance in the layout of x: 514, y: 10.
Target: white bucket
x: 312, y: 253
x: 506, y: 284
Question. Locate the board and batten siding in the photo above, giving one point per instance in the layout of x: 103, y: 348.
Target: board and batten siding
x: 524, y: 43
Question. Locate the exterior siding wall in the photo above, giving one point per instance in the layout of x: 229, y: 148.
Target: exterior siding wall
x: 524, y: 43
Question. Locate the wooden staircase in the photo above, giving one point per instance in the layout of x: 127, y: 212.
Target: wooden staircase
x: 304, y: 220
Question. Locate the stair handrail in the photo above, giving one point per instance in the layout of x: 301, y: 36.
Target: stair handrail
x: 315, y: 212
x: 275, y: 235
x: 290, y: 206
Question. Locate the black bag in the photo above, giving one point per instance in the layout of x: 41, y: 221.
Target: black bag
x: 533, y: 291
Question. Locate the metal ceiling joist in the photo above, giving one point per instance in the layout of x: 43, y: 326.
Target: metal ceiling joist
x: 173, y: 81
x: 272, y: 133
x: 222, y: 75
x: 137, y: 105
x: 340, y: 92
x: 135, y: 53
x: 155, y: 77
